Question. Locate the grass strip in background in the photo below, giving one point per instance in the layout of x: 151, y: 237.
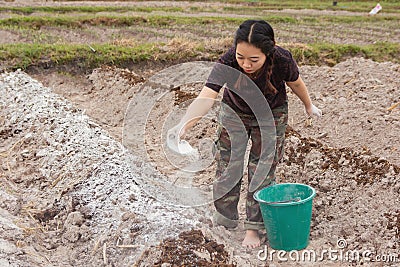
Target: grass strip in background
x: 112, y: 21
x: 123, y: 21
x: 332, y: 54
x: 22, y: 56
x: 27, y: 10
x: 36, y: 22
x: 349, y: 5
x: 25, y: 55
x: 253, y: 7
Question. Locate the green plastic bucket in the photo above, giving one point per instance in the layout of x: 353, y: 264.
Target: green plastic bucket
x: 286, y: 209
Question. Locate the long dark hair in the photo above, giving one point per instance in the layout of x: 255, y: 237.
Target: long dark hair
x: 260, y: 34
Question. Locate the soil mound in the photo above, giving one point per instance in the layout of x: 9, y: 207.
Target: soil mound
x: 72, y: 195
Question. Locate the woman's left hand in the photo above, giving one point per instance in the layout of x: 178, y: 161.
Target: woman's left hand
x: 313, y: 111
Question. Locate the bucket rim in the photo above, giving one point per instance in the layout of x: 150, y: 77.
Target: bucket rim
x: 313, y: 193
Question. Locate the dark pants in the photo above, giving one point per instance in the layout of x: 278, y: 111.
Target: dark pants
x: 234, y: 135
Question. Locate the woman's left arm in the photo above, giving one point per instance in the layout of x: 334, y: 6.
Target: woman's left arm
x: 300, y: 89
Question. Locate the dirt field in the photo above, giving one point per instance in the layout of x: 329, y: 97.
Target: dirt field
x: 84, y: 182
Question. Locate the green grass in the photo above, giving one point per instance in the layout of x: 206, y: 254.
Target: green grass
x: 42, y: 52
x: 86, y: 9
x: 280, y: 5
x: 332, y: 54
x: 258, y: 7
x: 112, y: 21
x: 36, y: 22
x: 348, y: 5
x: 117, y: 21
x: 25, y: 55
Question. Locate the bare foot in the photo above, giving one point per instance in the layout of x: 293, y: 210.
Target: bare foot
x: 251, y: 239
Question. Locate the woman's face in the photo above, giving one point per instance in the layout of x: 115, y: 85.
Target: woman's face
x: 249, y: 57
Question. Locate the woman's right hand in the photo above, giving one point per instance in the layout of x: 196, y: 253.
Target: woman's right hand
x: 196, y: 110
x: 175, y: 143
x: 174, y: 137
x: 176, y: 132
x: 313, y: 111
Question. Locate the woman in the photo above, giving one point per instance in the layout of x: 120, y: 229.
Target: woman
x: 257, y: 58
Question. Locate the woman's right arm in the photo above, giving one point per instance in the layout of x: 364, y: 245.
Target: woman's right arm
x: 197, y: 109
x: 205, y: 100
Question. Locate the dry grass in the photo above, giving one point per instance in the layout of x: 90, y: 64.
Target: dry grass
x: 181, y: 44
x: 125, y: 42
x: 218, y: 44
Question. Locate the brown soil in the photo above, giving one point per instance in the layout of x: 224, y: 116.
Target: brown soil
x: 355, y: 171
x: 72, y: 195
